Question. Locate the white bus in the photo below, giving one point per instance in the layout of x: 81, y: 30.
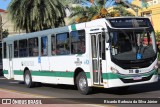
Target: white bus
x: 107, y: 52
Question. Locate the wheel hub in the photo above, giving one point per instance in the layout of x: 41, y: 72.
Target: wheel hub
x: 82, y: 83
x: 27, y: 79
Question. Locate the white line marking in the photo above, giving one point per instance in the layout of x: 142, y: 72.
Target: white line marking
x: 2, y: 78
x: 14, y: 82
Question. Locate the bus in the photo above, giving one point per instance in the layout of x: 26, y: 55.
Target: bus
x: 106, y: 52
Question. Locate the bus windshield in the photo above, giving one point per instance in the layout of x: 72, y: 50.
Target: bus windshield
x: 132, y: 45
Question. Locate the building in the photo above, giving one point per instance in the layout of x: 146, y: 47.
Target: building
x: 6, y: 24
x: 152, y: 2
x: 152, y: 11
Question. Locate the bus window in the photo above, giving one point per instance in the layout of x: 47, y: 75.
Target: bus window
x: 4, y: 50
x: 16, y: 49
x: 44, y: 46
x: 33, y: 47
x: 53, y: 45
x: 63, y: 44
x: 23, y: 48
x: 78, y: 42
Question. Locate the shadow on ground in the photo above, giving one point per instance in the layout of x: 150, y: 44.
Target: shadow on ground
x: 113, y: 91
x: 96, y: 91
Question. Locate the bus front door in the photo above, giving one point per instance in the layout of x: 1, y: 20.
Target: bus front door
x: 96, y: 44
x: 10, y: 61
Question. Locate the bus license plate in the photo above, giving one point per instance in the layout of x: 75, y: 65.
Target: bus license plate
x: 137, y: 78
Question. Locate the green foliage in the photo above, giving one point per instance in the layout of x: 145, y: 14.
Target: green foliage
x: 144, y: 4
x: 78, y: 11
x: 158, y: 56
x: 122, y: 10
x: 5, y: 33
x: 95, y: 10
x: 87, y: 13
x: 68, y: 2
x: 35, y: 15
x: 157, y: 33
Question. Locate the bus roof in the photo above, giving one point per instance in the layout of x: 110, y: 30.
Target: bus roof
x: 79, y: 26
x: 55, y: 30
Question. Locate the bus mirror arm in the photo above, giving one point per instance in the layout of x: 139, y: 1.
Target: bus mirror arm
x: 109, y: 46
x: 108, y: 38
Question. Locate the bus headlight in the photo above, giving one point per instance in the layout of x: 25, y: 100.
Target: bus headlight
x: 155, y: 67
x: 114, y: 70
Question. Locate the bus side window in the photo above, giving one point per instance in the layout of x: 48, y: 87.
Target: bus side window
x: 63, y: 44
x: 4, y: 50
x: 16, y: 48
x: 78, y: 42
x: 44, y: 46
x: 23, y: 48
x: 53, y: 45
x: 33, y: 47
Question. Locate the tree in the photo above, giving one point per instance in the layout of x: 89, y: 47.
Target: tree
x: 121, y: 10
x: 98, y: 9
x: 123, y: 4
x: 35, y: 15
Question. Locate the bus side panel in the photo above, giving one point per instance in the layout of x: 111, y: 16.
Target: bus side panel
x: 6, y: 68
x: 19, y: 65
x: 63, y: 67
x: 44, y: 63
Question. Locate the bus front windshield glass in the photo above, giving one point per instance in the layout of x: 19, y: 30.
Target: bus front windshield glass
x: 132, y: 44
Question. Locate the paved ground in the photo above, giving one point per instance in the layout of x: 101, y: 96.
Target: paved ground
x: 15, y: 89
x: 4, y: 94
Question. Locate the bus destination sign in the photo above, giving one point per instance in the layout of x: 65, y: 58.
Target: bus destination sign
x: 130, y: 22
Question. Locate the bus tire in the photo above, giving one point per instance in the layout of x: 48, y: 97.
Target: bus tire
x: 82, y: 84
x: 28, y: 79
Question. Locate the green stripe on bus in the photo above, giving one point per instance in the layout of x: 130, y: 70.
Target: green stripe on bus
x: 73, y: 27
x: 51, y: 73
x: 17, y: 72
x: 71, y: 74
x: 117, y: 76
x: 5, y: 71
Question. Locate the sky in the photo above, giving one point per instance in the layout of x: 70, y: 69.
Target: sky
x: 4, y: 3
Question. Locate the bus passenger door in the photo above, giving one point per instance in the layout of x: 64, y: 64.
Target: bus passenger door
x: 96, y: 46
x: 10, y: 50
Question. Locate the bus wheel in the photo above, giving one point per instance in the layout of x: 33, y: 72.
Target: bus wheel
x: 82, y: 84
x: 28, y: 79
